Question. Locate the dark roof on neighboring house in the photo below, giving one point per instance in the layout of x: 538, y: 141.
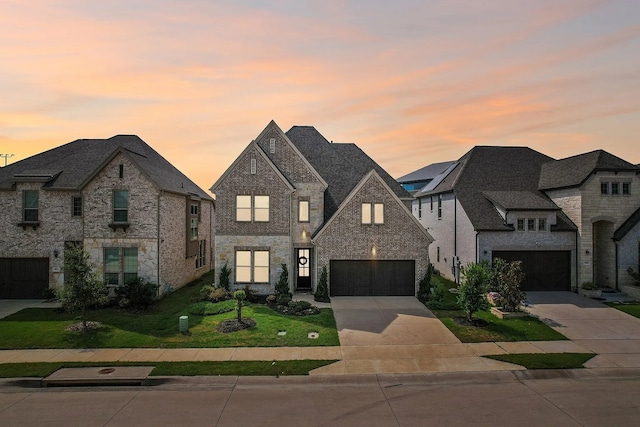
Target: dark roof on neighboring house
x: 508, y: 174
x: 627, y: 226
x: 71, y: 166
x: 573, y: 171
x: 426, y: 173
x: 342, y: 166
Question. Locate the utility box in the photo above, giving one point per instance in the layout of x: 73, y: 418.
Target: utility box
x: 183, y: 324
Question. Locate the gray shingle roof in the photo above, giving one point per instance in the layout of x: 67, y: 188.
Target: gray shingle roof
x: 520, y: 200
x: 342, y: 166
x: 76, y: 162
x: 511, y: 173
x: 627, y: 226
x: 426, y: 173
x: 573, y: 171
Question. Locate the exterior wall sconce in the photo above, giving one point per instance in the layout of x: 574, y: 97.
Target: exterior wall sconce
x: 587, y: 252
x: 304, y: 234
x: 374, y: 250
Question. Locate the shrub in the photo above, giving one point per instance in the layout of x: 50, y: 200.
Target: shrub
x: 282, y: 286
x: 82, y: 289
x: 250, y: 294
x: 635, y: 275
x: 283, y: 300
x: 137, y: 294
x: 271, y: 299
x: 472, y: 290
x: 213, y: 293
x: 206, y: 308
x: 298, y: 308
x: 224, y: 278
x: 322, y: 290
x: 424, y: 287
x: 506, y: 278
x: 589, y: 286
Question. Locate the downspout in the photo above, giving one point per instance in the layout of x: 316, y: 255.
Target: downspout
x: 616, y: 265
x: 576, y: 262
x: 294, y: 273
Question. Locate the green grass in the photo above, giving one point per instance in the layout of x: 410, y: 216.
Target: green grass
x: 546, y: 360
x: 632, y: 309
x: 519, y: 329
x: 158, y: 327
x: 240, y: 368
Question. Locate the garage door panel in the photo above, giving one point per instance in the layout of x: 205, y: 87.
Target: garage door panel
x: 23, y: 278
x: 372, y: 278
x: 544, y: 270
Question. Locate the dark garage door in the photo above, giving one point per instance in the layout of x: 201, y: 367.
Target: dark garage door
x: 545, y: 270
x: 23, y: 278
x: 372, y: 278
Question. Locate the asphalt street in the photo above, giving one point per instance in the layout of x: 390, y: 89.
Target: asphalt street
x: 526, y: 398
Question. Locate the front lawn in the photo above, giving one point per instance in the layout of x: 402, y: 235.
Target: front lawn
x: 495, y: 330
x: 632, y: 309
x: 158, y: 327
x: 546, y: 360
x: 240, y: 368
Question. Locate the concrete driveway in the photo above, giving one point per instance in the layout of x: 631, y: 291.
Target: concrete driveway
x: 398, y: 335
x: 11, y: 306
x: 594, y: 326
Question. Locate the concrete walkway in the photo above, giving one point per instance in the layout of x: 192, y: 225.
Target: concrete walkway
x: 399, y: 335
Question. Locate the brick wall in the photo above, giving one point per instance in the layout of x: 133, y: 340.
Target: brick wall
x: 345, y: 238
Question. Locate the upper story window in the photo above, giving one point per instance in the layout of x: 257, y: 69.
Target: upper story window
x: 531, y: 224
x: 303, y: 210
x: 542, y: 224
x: 431, y: 202
x: 419, y: 208
x: 76, y: 206
x: 440, y: 206
x: 626, y: 188
x: 604, y: 188
x: 372, y: 213
x: 615, y: 188
x: 120, y: 206
x: 194, y: 219
x: 520, y: 224
x: 121, y: 171
x: 252, y: 208
x: 30, y: 206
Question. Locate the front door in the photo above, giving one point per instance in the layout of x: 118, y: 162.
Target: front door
x: 303, y: 268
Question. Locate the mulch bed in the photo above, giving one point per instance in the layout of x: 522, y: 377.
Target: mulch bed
x: 79, y: 327
x: 232, y: 325
x: 478, y: 323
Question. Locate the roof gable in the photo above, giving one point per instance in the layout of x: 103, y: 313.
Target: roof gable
x: 428, y: 172
x: 342, y: 166
x: 574, y: 171
x: 373, y: 175
x: 627, y: 226
x: 77, y: 162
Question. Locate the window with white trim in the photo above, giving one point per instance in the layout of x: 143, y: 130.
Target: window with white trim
x: 252, y: 208
x: 372, y: 213
x: 202, y: 253
x: 303, y: 210
x: 120, y: 206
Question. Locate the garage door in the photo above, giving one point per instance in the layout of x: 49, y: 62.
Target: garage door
x: 23, y: 278
x: 372, y: 278
x: 545, y: 270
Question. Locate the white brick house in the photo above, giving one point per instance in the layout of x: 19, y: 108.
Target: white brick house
x: 294, y: 198
x: 570, y: 221
x: 133, y: 212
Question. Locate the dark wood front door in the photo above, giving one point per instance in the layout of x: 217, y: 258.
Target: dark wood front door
x: 303, y: 268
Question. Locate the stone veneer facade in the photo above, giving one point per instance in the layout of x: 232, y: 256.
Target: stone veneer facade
x: 157, y: 226
x: 597, y: 217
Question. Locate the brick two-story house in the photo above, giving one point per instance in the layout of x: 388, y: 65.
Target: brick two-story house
x: 295, y: 198
x: 133, y: 212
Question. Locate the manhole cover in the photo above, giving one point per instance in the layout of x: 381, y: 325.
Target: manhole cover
x: 106, y: 371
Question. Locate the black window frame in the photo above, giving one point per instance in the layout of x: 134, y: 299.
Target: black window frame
x: 76, y: 206
x: 30, y: 213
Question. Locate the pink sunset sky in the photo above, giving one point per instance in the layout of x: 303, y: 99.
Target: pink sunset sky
x: 410, y: 82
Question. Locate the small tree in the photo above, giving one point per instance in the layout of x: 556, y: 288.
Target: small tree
x: 282, y: 286
x: 506, y: 280
x: 239, y: 296
x: 634, y: 275
x: 82, y: 288
x: 424, y: 287
x: 472, y: 291
x: 225, y: 274
x: 322, y: 290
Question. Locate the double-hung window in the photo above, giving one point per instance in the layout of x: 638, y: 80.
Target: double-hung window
x: 120, y: 206
x: 30, y: 206
x: 202, y: 253
x: 252, y: 266
x: 194, y: 218
x: 252, y: 208
x: 439, y: 206
x: 76, y: 206
x: 120, y: 265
